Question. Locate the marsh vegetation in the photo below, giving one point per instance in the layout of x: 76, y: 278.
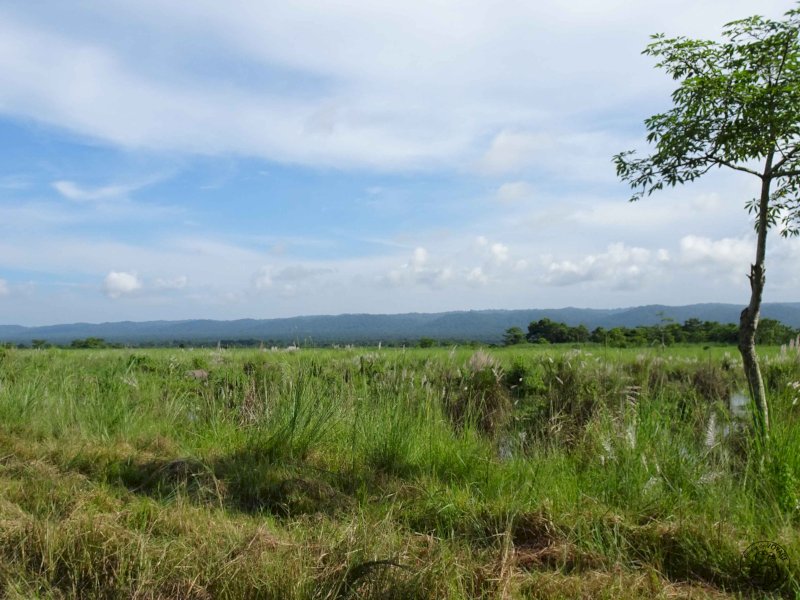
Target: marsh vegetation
x: 535, y: 472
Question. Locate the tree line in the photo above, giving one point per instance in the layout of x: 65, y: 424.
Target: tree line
x: 692, y: 331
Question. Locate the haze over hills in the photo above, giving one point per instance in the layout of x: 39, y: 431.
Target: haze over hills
x: 481, y: 325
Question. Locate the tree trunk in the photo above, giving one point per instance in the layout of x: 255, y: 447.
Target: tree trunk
x: 748, y: 322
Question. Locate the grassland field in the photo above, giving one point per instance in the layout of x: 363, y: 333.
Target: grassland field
x: 523, y: 472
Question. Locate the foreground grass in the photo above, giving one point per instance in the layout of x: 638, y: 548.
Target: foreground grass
x: 393, y: 474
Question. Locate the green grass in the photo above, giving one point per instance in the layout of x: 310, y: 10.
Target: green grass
x: 444, y: 473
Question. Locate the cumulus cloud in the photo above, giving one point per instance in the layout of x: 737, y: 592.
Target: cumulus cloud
x: 621, y: 267
x: 499, y: 252
x: 477, y: 263
x: 495, y: 255
x: 785, y: 257
x: 120, y: 283
x: 726, y: 251
x: 262, y: 280
x: 418, y: 259
x: 418, y: 271
x: 477, y: 276
x: 726, y: 258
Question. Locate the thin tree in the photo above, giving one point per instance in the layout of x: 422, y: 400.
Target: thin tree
x: 737, y: 106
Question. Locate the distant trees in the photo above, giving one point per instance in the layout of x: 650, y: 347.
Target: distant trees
x: 773, y: 333
x: 545, y: 330
x: 90, y: 342
x: 692, y: 331
x: 513, y: 336
x: 427, y: 342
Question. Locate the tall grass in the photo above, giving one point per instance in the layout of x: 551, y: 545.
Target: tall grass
x: 406, y: 474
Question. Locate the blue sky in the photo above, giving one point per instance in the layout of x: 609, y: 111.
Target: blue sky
x: 261, y: 159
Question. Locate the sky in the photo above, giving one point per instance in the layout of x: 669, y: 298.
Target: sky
x: 243, y: 159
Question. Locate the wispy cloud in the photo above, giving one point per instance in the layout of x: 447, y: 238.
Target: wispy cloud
x: 83, y: 193
x: 291, y: 279
x: 359, y: 84
x: 73, y: 191
x: 174, y: 283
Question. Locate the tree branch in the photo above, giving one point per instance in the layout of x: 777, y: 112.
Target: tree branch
x: 793, y: 173
x: 785, y: 158
x: 730, y: 165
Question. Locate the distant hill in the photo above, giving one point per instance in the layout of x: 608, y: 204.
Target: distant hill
x: 482, y: 325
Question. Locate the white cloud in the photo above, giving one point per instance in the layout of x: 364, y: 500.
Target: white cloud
x: 554, y: 150
x: 262, y: 280
x: 73, y: 191
x: 511, y: 151
x: 457, y: 274
x: 494, y: 254
x: 4, y: 291
x: 175, y: 283
x: 419, y: 259
x: 289, y: 280
x: 120, y: 283
x: 360, y: 84
x: 727, y: 257
x: 786, y: 253
x: 454, y: 265
x: 477, y: 276
x: 499, y: 252
x: 730, y: 252
x: 296, y: 273
x: 93, y: 90
x: 98, y: 194
x: 698, y: 206
x: 708, y: 202
x: 368, y: 87
x: 620, y: 267
x: 417, y: 271
x: 514, y: 191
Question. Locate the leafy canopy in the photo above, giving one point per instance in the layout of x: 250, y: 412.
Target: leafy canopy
x: 737, y: 106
